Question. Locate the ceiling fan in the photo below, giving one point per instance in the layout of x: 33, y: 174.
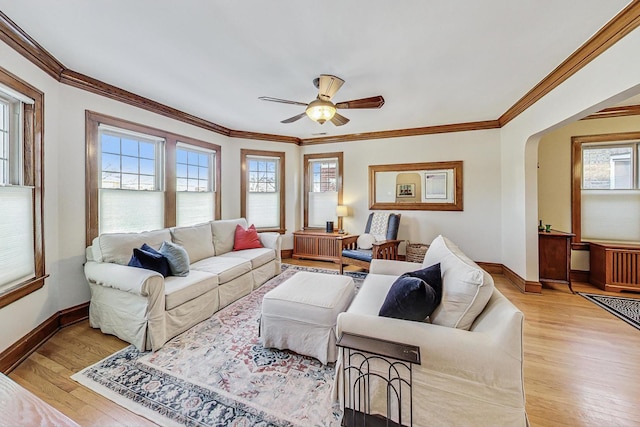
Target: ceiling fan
x: 322, y: 109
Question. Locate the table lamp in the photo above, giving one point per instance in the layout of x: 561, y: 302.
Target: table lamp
x: 341, y: 211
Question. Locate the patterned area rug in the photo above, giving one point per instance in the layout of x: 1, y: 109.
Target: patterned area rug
x: 627, y: 309
x: 218, y: 374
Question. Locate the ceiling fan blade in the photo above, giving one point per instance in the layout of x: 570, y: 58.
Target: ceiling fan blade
x: 372, y: 102
x: 339, y: 120
x: 294, y: 118
x: 283, y: 101
x: 328, y: 86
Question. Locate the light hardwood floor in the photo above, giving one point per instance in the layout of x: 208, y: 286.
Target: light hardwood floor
x: 582, y: 364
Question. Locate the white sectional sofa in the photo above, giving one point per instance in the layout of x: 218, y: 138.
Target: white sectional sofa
x: 471, y: 349
x: 146, y: 309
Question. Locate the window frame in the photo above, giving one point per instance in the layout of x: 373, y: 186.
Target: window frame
x: 33, y: 176
x: 308, y: 158
x: 577, y: 168
x: 92, y: 172
x: 245, y: 154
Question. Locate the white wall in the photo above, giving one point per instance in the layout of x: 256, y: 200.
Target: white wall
x: 611, y: 77
x: 22, y: 316
x: 476, y: 229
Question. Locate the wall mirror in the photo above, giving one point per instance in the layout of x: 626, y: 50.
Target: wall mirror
x: 433, y: 186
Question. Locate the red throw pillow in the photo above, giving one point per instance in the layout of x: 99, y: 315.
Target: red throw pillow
x: 246, y: 239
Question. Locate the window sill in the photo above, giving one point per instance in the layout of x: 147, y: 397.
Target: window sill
x: 22, y: 291
x: 271, y: 230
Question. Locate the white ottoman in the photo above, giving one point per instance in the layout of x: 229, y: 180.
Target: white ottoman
x: 300, y: 314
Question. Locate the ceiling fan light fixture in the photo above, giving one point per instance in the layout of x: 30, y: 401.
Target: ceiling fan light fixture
x: 320, y: 110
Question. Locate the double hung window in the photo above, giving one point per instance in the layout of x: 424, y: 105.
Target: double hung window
x: 195, y: 185
x: 262, y: 188
x: 131, y: 193
x: 607, y: 202
x: 323, y: 188
x: 21, y: 237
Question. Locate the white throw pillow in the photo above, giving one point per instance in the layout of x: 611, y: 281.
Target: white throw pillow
x: 466, y: 288
x: 366, y: 241
x: 118, y: 247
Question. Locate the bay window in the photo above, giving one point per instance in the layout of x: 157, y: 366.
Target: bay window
x: 141, y: 178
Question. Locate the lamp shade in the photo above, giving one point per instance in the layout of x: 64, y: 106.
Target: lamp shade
x: 342, y: 211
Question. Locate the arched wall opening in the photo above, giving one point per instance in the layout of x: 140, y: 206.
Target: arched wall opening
x: 607, y: 80
x: 548, y: 174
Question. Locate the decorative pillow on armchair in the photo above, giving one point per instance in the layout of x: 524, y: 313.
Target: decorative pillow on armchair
x: 466, y: 288
x: 411, y: 297
x: 432, y: 276
x: 366, y: 241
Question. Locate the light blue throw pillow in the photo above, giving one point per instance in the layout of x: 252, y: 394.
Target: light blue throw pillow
x: 177, y: 257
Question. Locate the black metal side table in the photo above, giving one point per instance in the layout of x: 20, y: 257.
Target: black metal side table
x: 358, y: 355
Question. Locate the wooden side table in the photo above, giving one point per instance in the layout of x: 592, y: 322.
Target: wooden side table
x: 358, y: 354
x: 318, y: 245
x: 554, y: 257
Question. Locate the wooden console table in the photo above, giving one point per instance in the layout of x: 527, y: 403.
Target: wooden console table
x: 554, y: 257
x: 318, y: 245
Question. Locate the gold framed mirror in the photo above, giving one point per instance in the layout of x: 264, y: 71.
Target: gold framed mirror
x: 432, y: 186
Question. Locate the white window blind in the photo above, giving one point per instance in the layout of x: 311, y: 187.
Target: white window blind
x: 124, y: 211
x: 16, y: 229
x: 263, y: 209
x: 194, y: 207
x: 611, y: 215
x: 322, y: 208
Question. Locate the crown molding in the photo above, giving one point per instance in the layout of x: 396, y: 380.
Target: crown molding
x: 607, y: 113
x: 264, y: 137
x: 621, y: 25
x: 22, y: 43
x: 427, y: 130
x: 81, y: 81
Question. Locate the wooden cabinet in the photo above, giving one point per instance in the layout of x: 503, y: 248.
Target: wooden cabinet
x: 317, y: 244
x: 614, y: 267
x: 554, y: 257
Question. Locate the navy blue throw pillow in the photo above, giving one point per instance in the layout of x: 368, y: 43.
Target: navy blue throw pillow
x: 150, y: 259
x: 412, y: 298
x: 432, y: 276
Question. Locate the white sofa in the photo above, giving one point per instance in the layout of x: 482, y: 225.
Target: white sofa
x: 146, y: 309
x: 468, y: 377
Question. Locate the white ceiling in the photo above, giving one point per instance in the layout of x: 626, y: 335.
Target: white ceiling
x: 435, y: 62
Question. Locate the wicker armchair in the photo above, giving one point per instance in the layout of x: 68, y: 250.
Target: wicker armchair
x: 384, y: 249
